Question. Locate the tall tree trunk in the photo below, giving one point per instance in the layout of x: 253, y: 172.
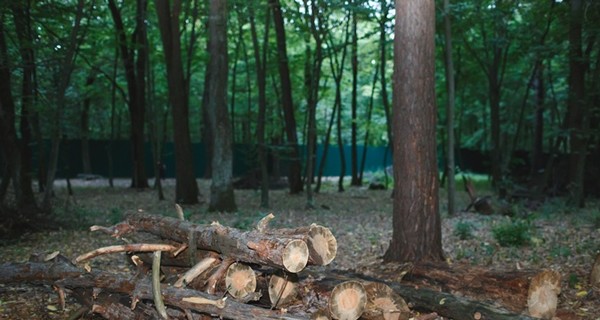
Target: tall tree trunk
x: 355, y: 181
x: 22, y: 18
x: 449, y: 107
x: 261, y: 80
x: 135, y: 75
x: 575, y: 105
x: 85, y: 125
x: 325, y: 151
x: 417, y: 231
x: 294, y: 171
x: 221, y: 190
x: 64, y: 77
x: 383, y: 36
x: 312, y: 79
x: 186, y: 187
x: 8, y: 132
x: 537, y: 150
x: 369, y: 116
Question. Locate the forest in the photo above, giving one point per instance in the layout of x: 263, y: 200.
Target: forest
x: 465, y: 113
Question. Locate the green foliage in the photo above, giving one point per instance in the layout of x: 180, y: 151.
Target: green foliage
x: 463, y: 230
x: 512, y: 234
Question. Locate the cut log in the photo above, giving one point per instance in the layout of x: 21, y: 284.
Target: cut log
x: 595, y: 274
x: 240, y: 280
x: 282, y: 252
x: 543, y: 294
x: 322, y: 244
x: 508, y: 288
x: 383, y: 303
x: 283, y: 289
x: 65, y: 275
x: 418, y: 296
x: 348, y: 301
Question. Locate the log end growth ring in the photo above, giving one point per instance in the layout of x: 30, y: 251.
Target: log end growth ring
x: 322, y: 245
x: 348, y: 301
x: 240, y: 280
x: 295, y: 256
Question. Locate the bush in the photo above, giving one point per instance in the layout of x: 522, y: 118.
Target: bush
x: 463, y: 230
x: 512, y: 234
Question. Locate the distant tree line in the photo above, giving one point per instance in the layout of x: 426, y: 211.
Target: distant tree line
x: 288, y: 75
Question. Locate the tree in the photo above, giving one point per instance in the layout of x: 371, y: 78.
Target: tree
x: 186, y: 187
x: 221, y: 189
x: 294, y: 172
x: 134, y: 58
x: 417, y: 231
x: 575, y: 117
x: 449, y: 64
x: 260, y: 61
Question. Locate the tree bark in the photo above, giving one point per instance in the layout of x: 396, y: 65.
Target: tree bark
x: 355, y: 181
x: 575, y: 106
x: 417, y: 231
x: 134, y: 81
x: 450, y: 164
x: 261, y: 79
x: 22, y: 18
x: 186, y: 187
x: 294, y: 171
x: 221, y: 190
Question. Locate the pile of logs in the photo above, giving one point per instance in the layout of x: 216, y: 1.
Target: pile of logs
x: 191, y: 271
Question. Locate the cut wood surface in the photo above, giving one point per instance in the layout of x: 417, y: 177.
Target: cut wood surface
x: 383, y: 303
x: 595, y: 273
x: 65, y: 275
x: 542, y: 297
x: 240, y: 280
x: 421, y: 298
x: 283, y: 289
x: 348, y: 300
x: 249, y: 246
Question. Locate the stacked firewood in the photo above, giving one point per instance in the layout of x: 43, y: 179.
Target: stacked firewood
x: 189, y: 270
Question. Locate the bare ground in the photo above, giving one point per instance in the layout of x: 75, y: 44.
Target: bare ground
x: 561, y: 238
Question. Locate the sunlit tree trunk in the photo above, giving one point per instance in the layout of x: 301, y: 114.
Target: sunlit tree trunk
x: 221, y: 189
x: 417, y: 231
x: 186, y: 187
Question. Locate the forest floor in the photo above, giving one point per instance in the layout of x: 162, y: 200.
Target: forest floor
x: 557, y: 236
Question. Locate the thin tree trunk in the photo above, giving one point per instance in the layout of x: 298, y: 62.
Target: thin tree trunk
x: 64, y: 78
x: 261, y: 79
x: 186, y: 187
x: 355, y: 181
x: 449, y: 107
x: 294, y: 171
x: 135, y: 75
x: 221, y: 190
x: 576, y: 112
x: 22, y: 19
x: 85, y: 125
x: 325, y: 148
x: 369, y: 116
